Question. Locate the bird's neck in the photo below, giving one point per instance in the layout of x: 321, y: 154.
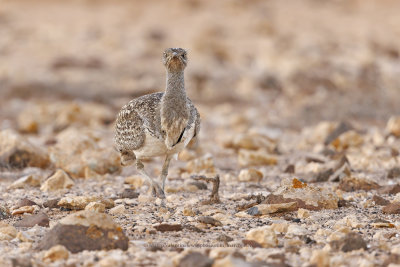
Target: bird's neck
x: 175, y: 87
x: 173, y: 104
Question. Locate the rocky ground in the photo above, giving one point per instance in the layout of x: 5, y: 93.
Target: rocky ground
x: 300, y: 125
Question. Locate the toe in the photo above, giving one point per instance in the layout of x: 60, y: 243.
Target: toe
x: 160, y: 192
x: 153, y: 192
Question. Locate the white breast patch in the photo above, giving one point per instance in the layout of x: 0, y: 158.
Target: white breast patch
x: 154, y: 147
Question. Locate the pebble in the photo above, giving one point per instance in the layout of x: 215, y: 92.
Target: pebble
x: 296, y: 230
x: 350, y: 184
x: 255, y: 158
x: 393, y: 126
x: 186, y: 155
x: 250, y: 175
x: 40, y: 219
x: 7, y: 232
x: 220, y: 252
x: 280, y: 227
x: 108, y: 202
x: 24, y: 202
x: 188, y: 211
x: 231, y: 261
x: 306, y: 196
x: 75, y: 151
x: 209, y: 220
x: 320, y: 258
x: 4, y: 212
x: 251, y: 141
x: 51, y: 203
x: 203, y: 164
x: 17, y: 152
x: 251, y: 243
x: 224, y: 238
x: 347, y: 139
x: 165, y: 227
x: 380, y: 200
x: 76, y: 202
x: 195, y: 259
x: 22, y: 210
x: 85, y: 230
x: 135, y: 181
x: 59, y: 180
x: 118, y: 210
x: 56, y: 253
x: 199, y: 185
x: 146, y: 198
x: 383, y: 224
x: 263, y: 209
x: 351, y: 241
x: 26, y: 181
x: 392, y: 208
x: 390, y: 189
x: 303, y: 213
x: 393, y: 173
x: 96, y: 207
x: 263, y: 235
x: 350, y: 221
x: 24, y: 237
x: 129, y: 193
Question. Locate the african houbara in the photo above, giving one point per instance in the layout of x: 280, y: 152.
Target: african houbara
x: 159, y: 124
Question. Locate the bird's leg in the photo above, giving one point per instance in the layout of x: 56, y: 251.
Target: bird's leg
x: 164, y: 171
x: 155, y: 186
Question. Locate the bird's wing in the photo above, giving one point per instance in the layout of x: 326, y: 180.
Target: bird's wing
x: 129, y: 129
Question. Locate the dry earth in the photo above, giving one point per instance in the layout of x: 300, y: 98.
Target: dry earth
x: 300, y: 120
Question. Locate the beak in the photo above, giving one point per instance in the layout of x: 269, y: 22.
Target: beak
x: 174, y: 54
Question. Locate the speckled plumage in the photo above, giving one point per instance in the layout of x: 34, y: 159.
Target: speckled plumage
x: 159, y: 124
x: 144, y: 114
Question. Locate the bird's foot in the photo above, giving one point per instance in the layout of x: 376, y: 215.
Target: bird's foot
x: 157, y: 191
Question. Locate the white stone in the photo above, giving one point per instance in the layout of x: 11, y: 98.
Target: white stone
x: 220, y: 253
x: 22, y: 210
x: 320, y: 258
x: 264, y: 209
x: 120, y: 209
x: 294, y: 230
x: 24, y: 237
x: 255, y: 158
x: 56, y: 253
x: 59, y: 180
x: 135, y: 181
x: 280, y: 227
x: 250, y: 175
x: 231, y: 262
x: 7, y: 232
x: 303, y: 213
x: 146, y: 198
x: 28, y: 180
x: 264, y: 235
x: 95, y: 206
x: 393, y: 126
x: 76, y: 202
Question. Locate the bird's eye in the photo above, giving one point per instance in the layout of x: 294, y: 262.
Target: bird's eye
x: 184, y: 56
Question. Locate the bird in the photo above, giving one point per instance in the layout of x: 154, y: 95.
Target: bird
x: 158, y: 124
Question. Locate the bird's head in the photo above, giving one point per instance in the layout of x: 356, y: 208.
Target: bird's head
x: 175, y: 59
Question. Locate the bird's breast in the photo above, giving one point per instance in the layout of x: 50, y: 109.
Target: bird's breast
x: 155, y: 147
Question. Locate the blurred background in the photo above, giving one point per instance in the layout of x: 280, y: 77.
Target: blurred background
x: 268, y: 62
